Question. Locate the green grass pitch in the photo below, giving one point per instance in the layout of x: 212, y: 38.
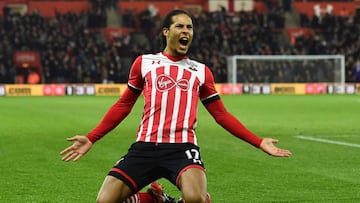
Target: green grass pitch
x: 325, y: 169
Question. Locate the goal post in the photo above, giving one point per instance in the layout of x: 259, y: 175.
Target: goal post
x: 286, y: 69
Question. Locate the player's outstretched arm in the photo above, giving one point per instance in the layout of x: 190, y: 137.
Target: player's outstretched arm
x: 78, y: 149
x: 235, y: 127
x: 268, y: 146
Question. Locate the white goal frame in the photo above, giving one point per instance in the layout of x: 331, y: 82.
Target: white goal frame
x: 232, y: 63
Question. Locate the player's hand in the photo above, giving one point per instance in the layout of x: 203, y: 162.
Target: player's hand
x: 268, y: 146
x: 80, y: 146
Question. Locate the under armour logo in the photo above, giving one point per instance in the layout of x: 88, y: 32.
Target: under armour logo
x: 165, y: 83
x: 192, y: 68
x: 157, y: 62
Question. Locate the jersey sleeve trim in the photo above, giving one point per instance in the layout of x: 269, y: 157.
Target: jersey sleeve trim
x: 210, y: 99
x: 134, y: 89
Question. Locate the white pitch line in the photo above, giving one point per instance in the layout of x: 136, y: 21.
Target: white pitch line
x: 327, y: 141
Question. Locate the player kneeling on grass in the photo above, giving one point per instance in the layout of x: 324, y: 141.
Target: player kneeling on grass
x: 166, y: 145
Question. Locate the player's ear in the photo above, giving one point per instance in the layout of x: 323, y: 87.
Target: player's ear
x: 165, y: 31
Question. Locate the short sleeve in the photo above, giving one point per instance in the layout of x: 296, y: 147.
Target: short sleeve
x: 136, y: 80
x: 208, y: 91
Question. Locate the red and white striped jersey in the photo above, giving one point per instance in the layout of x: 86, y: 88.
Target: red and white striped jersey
x: 171, y: 87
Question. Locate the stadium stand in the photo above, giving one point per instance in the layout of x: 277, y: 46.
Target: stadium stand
x: 95, y: 41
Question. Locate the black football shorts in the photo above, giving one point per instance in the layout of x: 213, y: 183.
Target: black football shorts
x: 148, y: 162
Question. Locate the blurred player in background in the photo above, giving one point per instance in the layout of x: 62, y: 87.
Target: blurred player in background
x: 166, y: 145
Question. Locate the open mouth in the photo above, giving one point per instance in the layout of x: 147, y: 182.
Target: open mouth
x: 184, y: 41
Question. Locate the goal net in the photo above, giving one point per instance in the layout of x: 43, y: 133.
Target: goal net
x: 286, y: 69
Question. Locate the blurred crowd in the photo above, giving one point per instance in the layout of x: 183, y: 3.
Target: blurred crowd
x: 73, y: 49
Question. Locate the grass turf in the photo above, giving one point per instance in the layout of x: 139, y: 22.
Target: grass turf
x: 33, y: 132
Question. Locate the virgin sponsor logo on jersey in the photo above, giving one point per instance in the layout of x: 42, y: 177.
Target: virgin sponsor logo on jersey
x: 165, y: 83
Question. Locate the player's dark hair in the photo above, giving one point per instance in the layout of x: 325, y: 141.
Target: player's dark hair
x: 167, y: 21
